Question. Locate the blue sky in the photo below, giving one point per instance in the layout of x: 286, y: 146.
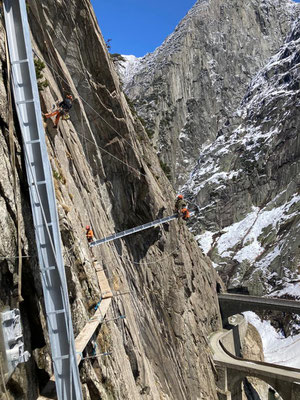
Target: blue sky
x: 139, y: 26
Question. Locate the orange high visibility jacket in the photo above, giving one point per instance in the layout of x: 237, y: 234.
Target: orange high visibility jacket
x: 89, y: 235
x: 185, y: 213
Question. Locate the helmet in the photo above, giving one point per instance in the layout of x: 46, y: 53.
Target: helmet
x: 87, y: 227
x: 68, y: 96
x: 180, y: 196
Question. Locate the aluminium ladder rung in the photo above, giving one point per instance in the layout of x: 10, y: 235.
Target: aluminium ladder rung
x: 39, y: 183
x: 43, y: 225
x: 33, y: 141
x: 44, y: 269
x: 65, y: 357
x: 24, y: 60
x: 56, y: 312
x: 24, y: 102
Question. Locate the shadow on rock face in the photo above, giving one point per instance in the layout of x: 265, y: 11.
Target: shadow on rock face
x: 140, y: 243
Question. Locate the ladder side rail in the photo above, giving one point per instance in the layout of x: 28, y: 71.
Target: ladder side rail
x: 28, y: 109
x: 59, y: 322
x: 22, y: 93
x: 52, y: 280
x: 45, y: 164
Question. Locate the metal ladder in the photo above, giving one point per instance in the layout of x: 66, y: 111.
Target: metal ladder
x: 136, y: 229
x: 43, y: 202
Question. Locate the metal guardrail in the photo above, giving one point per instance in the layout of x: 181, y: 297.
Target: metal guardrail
x: 43, y: 202
x: 135, y: 229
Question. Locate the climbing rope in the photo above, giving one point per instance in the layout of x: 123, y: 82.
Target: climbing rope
x: 83, y: 136
x: 84, y: 145
x: 110, y: 154
x: 104, y: 321
x: 91, y: 107
x: 49, y: 48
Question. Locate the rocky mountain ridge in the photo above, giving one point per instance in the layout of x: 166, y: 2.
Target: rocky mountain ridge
x: 106, y: 174
x: 189, y: 87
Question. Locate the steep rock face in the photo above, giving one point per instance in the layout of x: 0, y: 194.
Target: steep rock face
x: 247, y: 183
x: 187, y: 89
x: 107, y: 174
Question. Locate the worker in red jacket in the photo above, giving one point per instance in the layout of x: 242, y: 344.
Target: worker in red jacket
x: 63, y: 109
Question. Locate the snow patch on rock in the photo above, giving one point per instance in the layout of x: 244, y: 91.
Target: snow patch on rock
x: 278, y: 349
x: 128, y: 68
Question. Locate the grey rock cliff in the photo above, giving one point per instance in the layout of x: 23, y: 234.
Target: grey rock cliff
x: 188, y: 88
x: 105, y: 173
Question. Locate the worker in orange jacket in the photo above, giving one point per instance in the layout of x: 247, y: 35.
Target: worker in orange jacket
x: 63, y: 109
x: 180, y: 203
x: 89, y: 234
